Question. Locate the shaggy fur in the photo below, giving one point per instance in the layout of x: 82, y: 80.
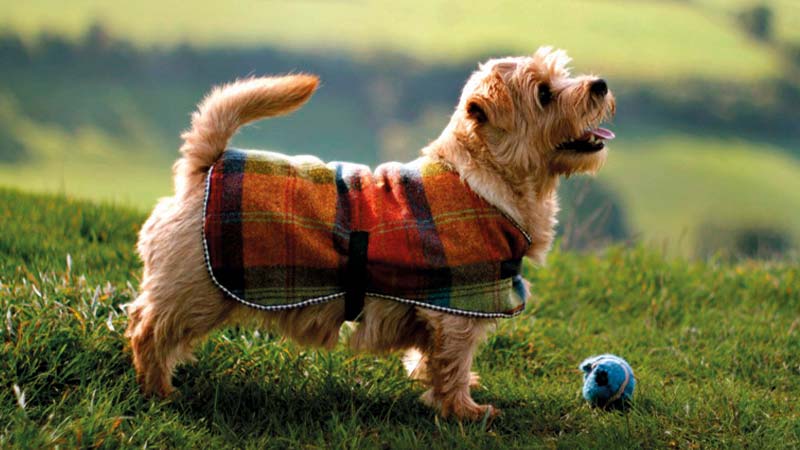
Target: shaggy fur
x: 502, y: 139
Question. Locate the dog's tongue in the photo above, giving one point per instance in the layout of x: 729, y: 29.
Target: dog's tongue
x: 603, y: 133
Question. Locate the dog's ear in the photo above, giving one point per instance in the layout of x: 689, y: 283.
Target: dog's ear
x: 491, y: 103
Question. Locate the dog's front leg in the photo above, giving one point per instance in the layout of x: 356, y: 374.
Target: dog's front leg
x: 448, y: 361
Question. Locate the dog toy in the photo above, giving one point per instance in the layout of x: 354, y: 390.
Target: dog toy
x: 608, y: 381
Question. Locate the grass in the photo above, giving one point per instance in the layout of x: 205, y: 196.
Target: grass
x: 86, y: 160
x: 715, y: 348
x: 661, y: 40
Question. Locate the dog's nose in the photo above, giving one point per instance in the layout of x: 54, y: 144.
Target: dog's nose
x: 599, y: 87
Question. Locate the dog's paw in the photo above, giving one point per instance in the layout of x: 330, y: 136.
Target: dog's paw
x: 429, y: 400
x: 475, y: 413
x: 460, y: 408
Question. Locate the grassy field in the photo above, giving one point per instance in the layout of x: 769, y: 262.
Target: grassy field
x: 786, y: 14
x: 673, y: 184
x: 654, y: 39
x: 715, y: 348
x: 88, y: 162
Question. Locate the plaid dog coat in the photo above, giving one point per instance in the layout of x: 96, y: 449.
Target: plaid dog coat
x: 284, y: 232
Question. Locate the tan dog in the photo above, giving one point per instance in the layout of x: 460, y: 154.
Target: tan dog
x: 520, y: 124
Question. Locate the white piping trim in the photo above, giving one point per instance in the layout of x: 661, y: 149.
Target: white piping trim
x: 459, y: 312
x: 329, y: 297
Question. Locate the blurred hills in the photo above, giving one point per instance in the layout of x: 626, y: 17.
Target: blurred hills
x: 707, y: 156
x: 653, y: 38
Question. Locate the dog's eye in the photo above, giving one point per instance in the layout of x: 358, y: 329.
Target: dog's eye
x: 476, y: 112
x: 544, y: 94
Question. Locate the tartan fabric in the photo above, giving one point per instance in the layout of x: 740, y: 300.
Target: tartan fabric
x: 277, y: 231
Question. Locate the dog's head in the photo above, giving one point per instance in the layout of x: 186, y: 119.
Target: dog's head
x: 529, y: 115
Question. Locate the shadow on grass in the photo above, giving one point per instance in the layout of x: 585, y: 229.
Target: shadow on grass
x: 241, y: 405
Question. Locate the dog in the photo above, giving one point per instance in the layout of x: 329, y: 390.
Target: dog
x: 521, y: 123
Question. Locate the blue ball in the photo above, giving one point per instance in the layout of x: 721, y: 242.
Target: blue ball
x: 608, y: 382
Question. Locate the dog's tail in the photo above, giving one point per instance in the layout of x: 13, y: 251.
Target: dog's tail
x: 227, y: 108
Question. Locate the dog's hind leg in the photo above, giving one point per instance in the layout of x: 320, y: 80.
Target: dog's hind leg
x: 163, y: 331
x: 152, y: 366
x: 178, y: 304
x: 448, y: 360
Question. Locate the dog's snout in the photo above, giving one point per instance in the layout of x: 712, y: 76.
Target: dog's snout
x: 599, y: 87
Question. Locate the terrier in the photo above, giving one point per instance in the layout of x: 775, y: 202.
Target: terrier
x: 423, y: 256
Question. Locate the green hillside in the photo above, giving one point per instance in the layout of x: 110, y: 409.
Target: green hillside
x: 677, y: 185
x: 785, y: 13
x: 672, y: 184
x: 706, y: 119
x: 714, y: 345
x: 661, y: 39
x: 87, y: 162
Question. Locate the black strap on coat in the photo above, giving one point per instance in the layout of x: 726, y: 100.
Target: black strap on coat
x: 355, y: 282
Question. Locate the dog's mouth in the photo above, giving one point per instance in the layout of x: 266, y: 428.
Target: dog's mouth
x: 592, y: 140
